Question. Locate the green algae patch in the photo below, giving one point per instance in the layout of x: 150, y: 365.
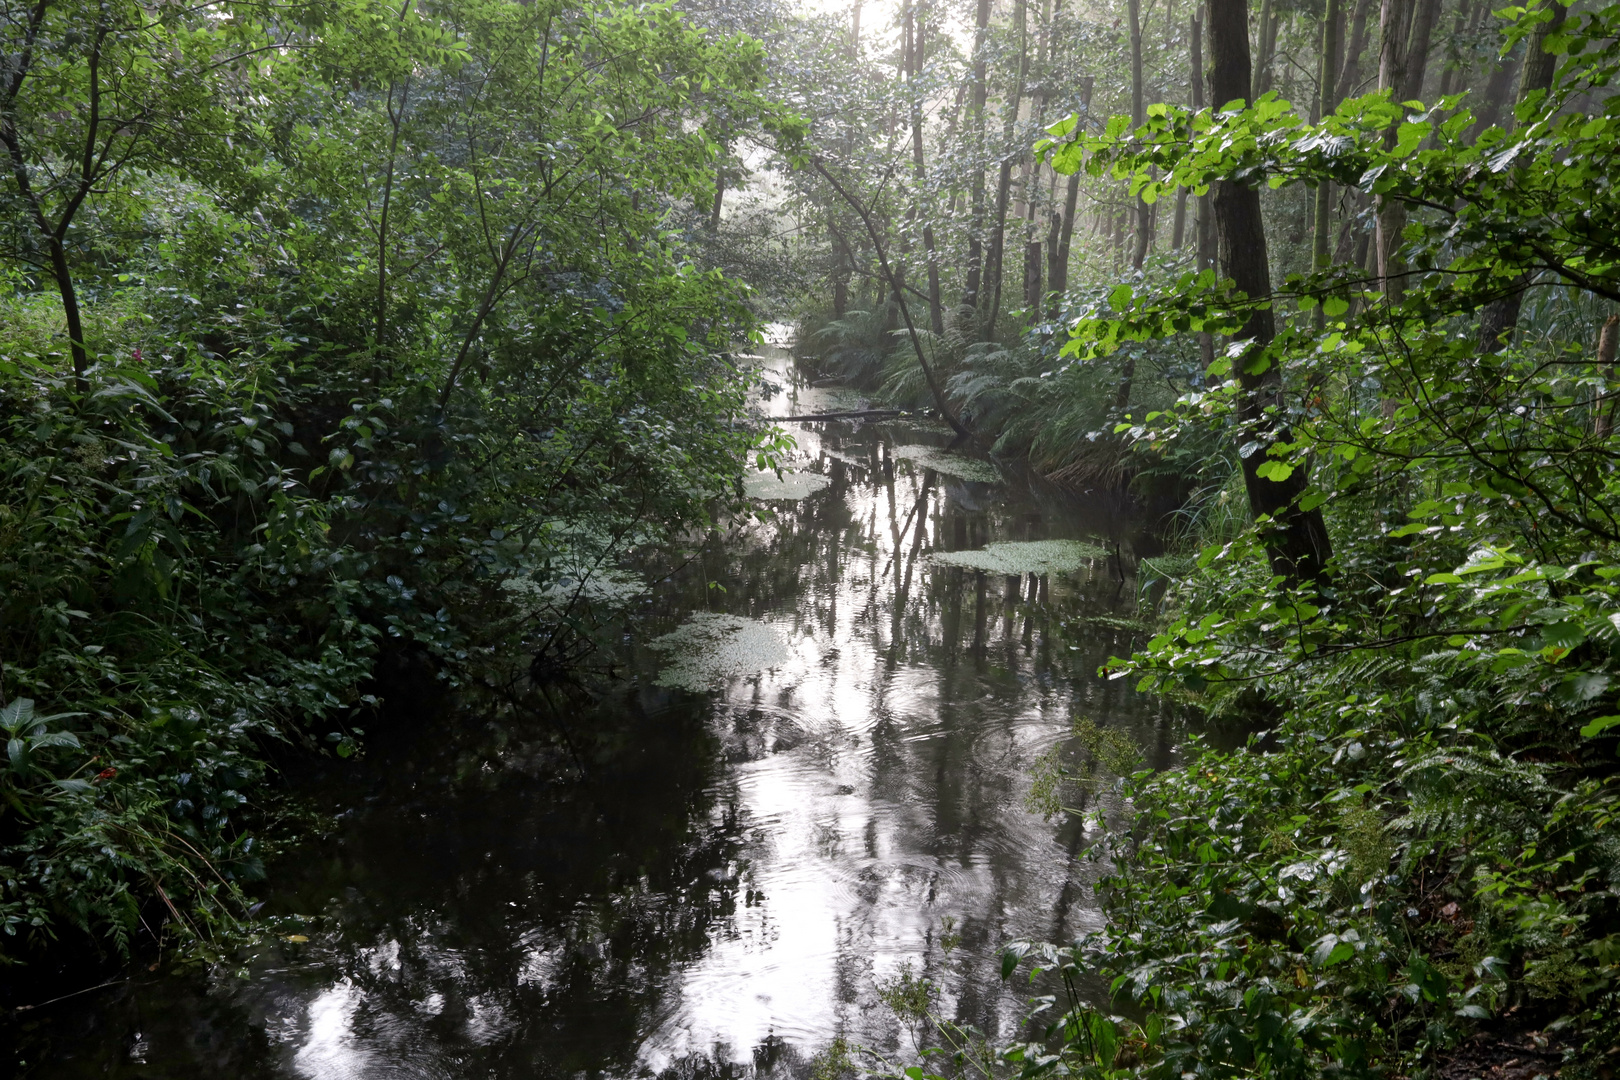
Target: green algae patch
x: 1024, y: 557
x: 603, y: 587
x: 789, y: 487
x: 710, y: 649
x: 964, y: 468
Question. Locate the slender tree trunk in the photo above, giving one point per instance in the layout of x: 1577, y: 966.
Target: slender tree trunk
x: 998, y: 239
x: 1356, y: 44
x: 1032, y: 275
x: 1453, y: 60
x: 1332, y: 21
x: 1204, y: 227
x: 1058, y: 271
x: 915, y: 30
x: 1262, y: 76
x: 1608, y: 338
x: 1394, y: 17
x: 1500, y: 317
x: 1417, y: 49
x: 89, y: 172
x: 1144, y: 212
x: 1497, y: 89
x: 63, y: 274
x: 396, y: 119
x: 1296, y: 540
x: 718, y: 205
x: 1539, y: 64
x: 976, y: 104
x: 1260, y: 32
x: 1402, y: 67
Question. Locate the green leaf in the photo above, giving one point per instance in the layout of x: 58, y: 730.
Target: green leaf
x: 1331, y: 950
x: 1600, y: 725
x: 1275, y: 471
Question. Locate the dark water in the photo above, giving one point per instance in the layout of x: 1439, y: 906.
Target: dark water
x: 706, y: 884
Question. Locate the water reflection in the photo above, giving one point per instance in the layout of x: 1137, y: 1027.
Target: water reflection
x: 698, y: 885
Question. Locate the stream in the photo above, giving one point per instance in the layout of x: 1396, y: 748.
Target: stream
x: 809, y: 778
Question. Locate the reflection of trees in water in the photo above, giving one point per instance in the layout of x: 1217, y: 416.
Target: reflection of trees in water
x: 1008, y: 637
x: 500, y: 905
x: 556, y: 955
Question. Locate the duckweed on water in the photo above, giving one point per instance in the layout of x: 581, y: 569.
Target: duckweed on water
x: 966, y: 468
x: 711, y: 648
x: 605, y: 587
x: 1024, y: 557
x: 789, y: 487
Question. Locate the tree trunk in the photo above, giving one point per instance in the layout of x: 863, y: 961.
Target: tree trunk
x: 1453, y: 60
x: 1501, y: 316
x: 1326, y: 103
x: 1204, y: 229
x: 1394, y: 17
x: 70, y: 309
x: 1144, y: 212
x: 1252, y: 91
x: 1350, y: 74
x: 914, y: 60
x: 975, y: 252
x: 1296, y: 540
x: 1497, y: 88
x: 1057, y: 273
x: 995, y: 265
x: 1603, y: 418
x: 396, y: 118
x: 1417, y: 50
x: 1539, y: 64
x: 1032, y: 275
x: 1263, y: 77
x: 1403, y: 76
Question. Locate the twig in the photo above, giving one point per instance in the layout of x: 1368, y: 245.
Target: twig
x: 64, y: 997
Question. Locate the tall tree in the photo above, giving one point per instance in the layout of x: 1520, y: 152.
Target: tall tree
x: 1144, y: 211
x: 978, y: 95
x: 1355, y: 45
x: 1057, y: 273
x: 915, y: 29
x: 1327, y: 101
x: 1402, y: 65
x: 1499, y: 317
x: 1014, y: 105
x: 1296, y: 540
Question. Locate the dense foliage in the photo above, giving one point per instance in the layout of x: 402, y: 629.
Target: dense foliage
x: 332, y: 332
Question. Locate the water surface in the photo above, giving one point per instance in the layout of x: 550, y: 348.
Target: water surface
x: 704, y: 871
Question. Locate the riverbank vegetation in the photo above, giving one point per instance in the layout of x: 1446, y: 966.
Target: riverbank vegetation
x: 334, y: 335
x: 1359, y: 319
